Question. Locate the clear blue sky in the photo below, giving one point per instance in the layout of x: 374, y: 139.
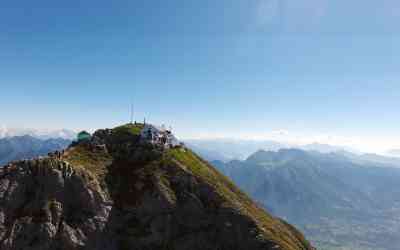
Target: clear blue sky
x: 206, y: 67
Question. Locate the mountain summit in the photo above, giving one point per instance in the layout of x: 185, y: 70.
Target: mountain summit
x: 131, y: 187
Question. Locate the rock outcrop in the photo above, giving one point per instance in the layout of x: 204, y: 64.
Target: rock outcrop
x: 116, y: 193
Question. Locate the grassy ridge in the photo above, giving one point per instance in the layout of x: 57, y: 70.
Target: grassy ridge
x: 129, y: 129
x: 278, y: 230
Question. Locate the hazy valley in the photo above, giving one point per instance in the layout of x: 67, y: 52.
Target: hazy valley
x: 339, y: 202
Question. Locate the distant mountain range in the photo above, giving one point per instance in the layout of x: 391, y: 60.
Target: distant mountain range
x: 231, y: 149
x: 37, y: 133
x: 371, y: 159
x: 393, y: 152
x: 340, y: 200
x: 325, y: 148
x: 25, y: 147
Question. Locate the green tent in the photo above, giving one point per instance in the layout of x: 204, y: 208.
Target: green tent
x: 83, y: 136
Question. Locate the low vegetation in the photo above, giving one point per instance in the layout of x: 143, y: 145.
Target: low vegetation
x: 96, y: 161
x: 129, y: 129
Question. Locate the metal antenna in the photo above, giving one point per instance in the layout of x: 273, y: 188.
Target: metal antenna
x: 131, y: 112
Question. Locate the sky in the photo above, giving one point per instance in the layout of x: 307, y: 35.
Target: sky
x: 297, y: 71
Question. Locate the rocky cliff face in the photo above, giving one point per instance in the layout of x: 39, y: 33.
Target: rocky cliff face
x: 117, y: 193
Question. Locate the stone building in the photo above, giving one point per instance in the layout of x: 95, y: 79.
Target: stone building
x: 154, y: 135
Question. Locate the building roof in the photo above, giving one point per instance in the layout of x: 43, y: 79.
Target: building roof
x: 83, y: 132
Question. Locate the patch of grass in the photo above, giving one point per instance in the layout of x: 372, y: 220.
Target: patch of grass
x: 189, y: 159
x: 94, y: 161
x: 129, y: 129
x: 52, y: 205
x: 205, y: 171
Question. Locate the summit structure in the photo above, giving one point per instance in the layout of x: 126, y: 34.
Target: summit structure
x: 160, y: 136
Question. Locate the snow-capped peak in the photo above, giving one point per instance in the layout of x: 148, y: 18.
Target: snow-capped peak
x: 38, y: 133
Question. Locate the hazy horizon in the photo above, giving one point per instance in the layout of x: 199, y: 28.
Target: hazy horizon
x: 282, y: 137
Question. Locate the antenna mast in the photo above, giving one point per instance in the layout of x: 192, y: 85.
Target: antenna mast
x: 131, y: 112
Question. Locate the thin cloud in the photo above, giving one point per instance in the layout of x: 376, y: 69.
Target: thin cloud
x: 291, y: 15
x: 321, y: 16
x: 268, y: 12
